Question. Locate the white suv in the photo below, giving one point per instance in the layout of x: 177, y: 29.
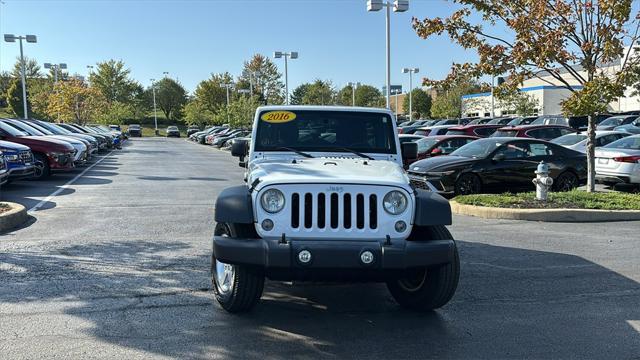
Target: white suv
x: 326, y: 199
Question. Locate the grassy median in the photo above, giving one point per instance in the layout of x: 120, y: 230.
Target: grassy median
x: 4, y: 207
x: 576, y: 199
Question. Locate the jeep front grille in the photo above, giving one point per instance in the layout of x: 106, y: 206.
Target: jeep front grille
x: 334, y: 210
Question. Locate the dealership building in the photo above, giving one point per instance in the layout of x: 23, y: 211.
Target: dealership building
x: 549, y: 94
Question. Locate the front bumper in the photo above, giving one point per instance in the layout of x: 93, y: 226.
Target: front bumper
x: 21, y: 172
x: 440, y: 185
x: 343, y: 256
x: 4, y: 176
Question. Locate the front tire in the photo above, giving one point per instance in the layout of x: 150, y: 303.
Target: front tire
x: 468, y: 184
x: 237, y: 288
x: 428, y: 288
x: 42, y: 168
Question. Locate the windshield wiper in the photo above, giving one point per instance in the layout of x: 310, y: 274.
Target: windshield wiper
x: 357, y: 153
x: 301, y: 153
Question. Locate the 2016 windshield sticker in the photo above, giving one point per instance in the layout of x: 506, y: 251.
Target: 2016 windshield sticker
x: 277, y: 117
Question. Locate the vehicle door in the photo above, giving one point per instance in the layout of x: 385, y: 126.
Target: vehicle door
x: 553, y: 155
x: 506, y: 167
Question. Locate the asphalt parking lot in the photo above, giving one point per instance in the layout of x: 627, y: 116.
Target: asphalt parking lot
x: 116, y: 265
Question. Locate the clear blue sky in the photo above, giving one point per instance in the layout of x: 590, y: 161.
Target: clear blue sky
x: 337, y: 40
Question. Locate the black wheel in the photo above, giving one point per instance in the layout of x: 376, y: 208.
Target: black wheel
x: 237, y: 288
x: 468, y: 184
x: 428, y: 288
x: 566, y: 181
x: 42, y: 168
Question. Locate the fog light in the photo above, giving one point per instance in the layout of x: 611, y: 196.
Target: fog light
x: 401, y: 226
x: 304, y: 256
x: 267, y: 224
x: 366, y: 257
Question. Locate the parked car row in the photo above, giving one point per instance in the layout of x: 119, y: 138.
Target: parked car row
x: 219, y: 136
x: 34, y: 149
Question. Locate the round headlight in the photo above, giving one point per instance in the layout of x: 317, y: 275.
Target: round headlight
x: 272, y: 201
x: 394, y: 202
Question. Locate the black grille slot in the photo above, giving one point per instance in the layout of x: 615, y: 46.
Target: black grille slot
x: 334, y: 211
x: 321, y: 211
x: 347, y: 211
x: 360, y: 211
x: 295, y: 210
x: 373, y: 211
x: 308, y: 210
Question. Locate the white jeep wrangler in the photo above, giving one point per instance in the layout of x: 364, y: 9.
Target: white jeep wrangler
x: 327, y: 199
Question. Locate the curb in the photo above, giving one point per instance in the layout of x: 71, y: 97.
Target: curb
x: 546, y: 215
x: 15, y: 217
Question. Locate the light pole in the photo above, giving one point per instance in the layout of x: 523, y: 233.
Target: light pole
x: 227, y: 86
x: 285, y: 55
x: 398, y: 6
x: 55, y: 68
x: 165, y: 73
x: 30, y: 39
x: 411, y: 71
x: 90, y: 68
x: 155, y: 111
x: 492, y: 102
x: 353, y: 85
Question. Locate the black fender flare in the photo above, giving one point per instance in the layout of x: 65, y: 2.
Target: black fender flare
x: 431, y: 209
x: 234, y: 206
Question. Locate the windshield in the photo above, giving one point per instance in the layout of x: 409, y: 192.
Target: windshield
x: 135, y: 127
x: 11, y: 130
x: 308, y: 130
x: 478, y: 149
x: 614, y: 121
x: 26, y: 128
x: 40, y: 128
x: 632, y: 142
x: 569, y: 139
x: 55, y: 128
x: 172, y: 128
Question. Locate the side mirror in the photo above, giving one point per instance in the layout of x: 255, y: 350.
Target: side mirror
x: 499, y: 157
x: 409, y: 150
x: 239, y: 148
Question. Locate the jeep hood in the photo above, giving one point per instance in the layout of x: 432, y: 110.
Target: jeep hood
x: 327, y: 170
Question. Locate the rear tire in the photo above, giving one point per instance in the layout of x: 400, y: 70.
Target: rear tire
x: 237, y: 288
x: 429, y: 288
x: 566, y: 181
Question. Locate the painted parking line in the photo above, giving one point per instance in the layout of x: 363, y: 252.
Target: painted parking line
x: 67, y: 184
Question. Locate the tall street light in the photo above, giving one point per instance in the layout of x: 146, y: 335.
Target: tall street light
x: 165, y: 73
x: 90, y: 68
x: 55, y: 68
x: 30, y: 39
x: 227, y: 86
x: 396, y: 92
x: 398, y: 6
x: 286, y: 55
x: 353, y: 85
x: 411, y: 71
x: 155, y: 111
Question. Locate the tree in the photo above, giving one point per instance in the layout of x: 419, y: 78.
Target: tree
x: 365, y: 95
x: 5, y: 81
x: 420, y: 104
x: 319, y: 93
x: 240, y: 112
x: 32, y: 67
x: 140, y: 104
x: 114, y: 113
x: 265, y: 77
x: 170, y: 97
x: 195, y: 113
x: 111, y: 78
x: 210, y: 92
x: 74, y: 101
x: 14, y: 98
x: 446, y: 106
x: 519, y: 103
x: 298, y: 94
x: 567, y: 40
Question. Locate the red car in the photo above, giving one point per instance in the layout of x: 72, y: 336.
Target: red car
x: 542, y: 132
x: 50, y: 154
x: 435, y: 145
x: 479, y: 130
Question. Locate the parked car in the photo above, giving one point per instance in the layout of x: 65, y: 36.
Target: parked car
x: 433, y: 130
x: 20, y: 160
x: 522, y: 120
x: 134, y: 130
x: 50, y: 154
x: 89, y: 130
x: 438, y: 145
x: 173, y: 131
x: 192, y: 129
x: 632, y: 128
x: 115, y: 127
x: 479, y: 121
x: 414, y: 125
x: 220, y: 141
x: 498, y: 165
x: 542, y: 132
x: 104, y: 142
x: 482, y: 130
x: 59, y: 130
x: 619, y: 162
x: 80, y: 146
x: 505, y: 120
x: 582, y: 122
x: 578, y: 141
x: 615, y: 121
x: 447, y: 122
x: 201, y: 137
x: 550, y: 120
